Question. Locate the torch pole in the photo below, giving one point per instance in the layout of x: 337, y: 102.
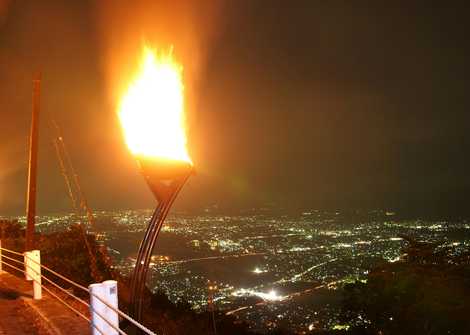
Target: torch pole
x: 147, y: 245
x: 32, y: 170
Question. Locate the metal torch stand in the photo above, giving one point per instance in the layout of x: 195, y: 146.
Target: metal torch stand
x: 147, y: 245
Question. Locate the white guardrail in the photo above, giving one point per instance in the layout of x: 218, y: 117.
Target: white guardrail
x: 103, y: 301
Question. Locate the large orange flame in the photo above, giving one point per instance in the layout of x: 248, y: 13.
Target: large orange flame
x: 152, y: 110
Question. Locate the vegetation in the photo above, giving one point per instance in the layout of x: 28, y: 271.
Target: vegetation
x: 61, y: 250
x: 427, y: 292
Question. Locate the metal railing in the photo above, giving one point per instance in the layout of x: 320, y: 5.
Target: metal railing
x: 103, y: 302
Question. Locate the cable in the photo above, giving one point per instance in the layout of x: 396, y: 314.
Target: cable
x: 64, y: 302
x: 13, y: 252
x: 94, y: 326
x: 61, y: 300
x: 60, y: 288
x: 12, y: 259
x: 59, y: 275
x: 88, y: 305
x: 125, y: 316
x: 14, y: 267
x: 108, y: 322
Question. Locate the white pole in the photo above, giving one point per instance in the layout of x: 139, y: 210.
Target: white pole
x: 37, y: 288
x: 33, y: 264
x: 97, y: 307
x: 111, y: 297
x: 27, y: 267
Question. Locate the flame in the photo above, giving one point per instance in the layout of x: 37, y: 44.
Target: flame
x: 152, y: 110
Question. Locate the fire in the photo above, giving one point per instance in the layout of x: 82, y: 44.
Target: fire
x: 152, y: 110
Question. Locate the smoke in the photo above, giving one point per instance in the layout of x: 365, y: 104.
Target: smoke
x: 190, y: 27
x: 3, y: 10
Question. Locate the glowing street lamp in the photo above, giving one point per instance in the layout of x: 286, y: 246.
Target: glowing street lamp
x: 152, y: 117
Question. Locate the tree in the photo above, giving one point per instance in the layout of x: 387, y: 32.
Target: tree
x: 426, y: 292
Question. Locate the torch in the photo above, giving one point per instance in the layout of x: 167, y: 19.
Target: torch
x: 152, y: 117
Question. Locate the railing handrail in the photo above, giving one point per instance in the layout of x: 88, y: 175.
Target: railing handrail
x: 106, y: 303
x: 12, y: 251
x: 124, y: 315
x: 12, y: 259
x: 80, y: 300
x: 14, y: 267
x: 59, y: 275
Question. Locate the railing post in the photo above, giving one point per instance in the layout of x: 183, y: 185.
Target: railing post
x: 26, y: 266
x: 97, y: 308
x: 32, y: 262
x: 1, y: 256
x: 111, y: 297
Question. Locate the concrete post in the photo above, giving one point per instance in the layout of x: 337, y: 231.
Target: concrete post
x: 111, y: 297
x: 27, y: 267
x: 32, y: 260
x: 97, y: 308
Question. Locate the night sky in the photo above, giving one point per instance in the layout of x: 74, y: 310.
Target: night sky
x: 292, y: 104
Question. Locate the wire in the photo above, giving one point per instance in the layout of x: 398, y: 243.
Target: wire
x: 124, y: 315
x: 61, y: 300
x: 13, y: 252
x: 12, y: 259
x: 59, y: 275
x: 99, y: 298
x: 14, y: 267
x: 98, y: 329
x: 60, y: 288
x: 108, y: 322
x: 58, y: 298
x: 64, y: 302
x: 65, y: 291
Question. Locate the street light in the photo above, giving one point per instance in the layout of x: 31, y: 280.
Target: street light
x: 152, y: 117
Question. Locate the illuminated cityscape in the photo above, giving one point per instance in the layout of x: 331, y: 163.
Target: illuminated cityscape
x: 316, y: 153
x: 270, y: 270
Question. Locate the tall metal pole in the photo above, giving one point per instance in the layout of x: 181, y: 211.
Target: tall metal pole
x: 33, y: 162
x: 165, y: 179
x: 147, y: 245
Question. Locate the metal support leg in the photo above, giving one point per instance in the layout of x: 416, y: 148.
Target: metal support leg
x: 146, y: 249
